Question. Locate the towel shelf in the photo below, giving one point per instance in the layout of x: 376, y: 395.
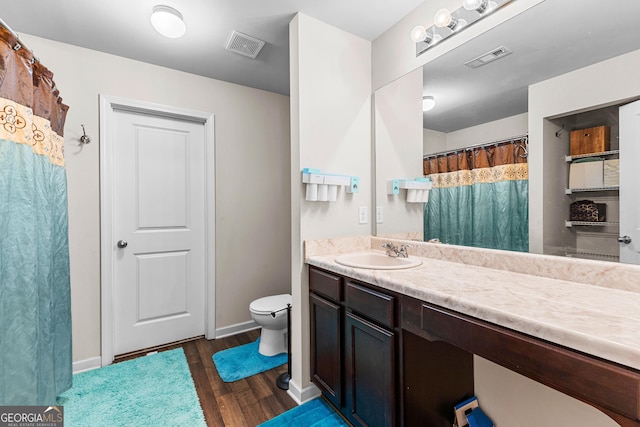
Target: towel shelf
x: 591, y: 223
x: 582, y: 190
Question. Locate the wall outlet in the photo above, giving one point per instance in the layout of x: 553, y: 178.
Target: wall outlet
x: 363, y: 215
x: 379, y: 217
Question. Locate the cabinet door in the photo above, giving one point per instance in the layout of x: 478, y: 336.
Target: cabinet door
x: 370, y: 373
x: 326, y: 355
x: 629, y: 177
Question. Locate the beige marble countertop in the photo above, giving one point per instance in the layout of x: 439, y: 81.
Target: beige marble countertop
x: 601, y: 321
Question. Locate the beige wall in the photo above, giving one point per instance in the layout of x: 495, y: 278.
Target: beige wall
x: 398, y: 151
x: 331, y: 131
x: 251, y: 171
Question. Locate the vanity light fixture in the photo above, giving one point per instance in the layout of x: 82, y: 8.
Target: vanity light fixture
x: 446, y: 22
x: 168, y: 22
x: 428, y: 102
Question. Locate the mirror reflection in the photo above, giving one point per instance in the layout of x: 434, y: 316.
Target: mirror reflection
x: 524, y: 100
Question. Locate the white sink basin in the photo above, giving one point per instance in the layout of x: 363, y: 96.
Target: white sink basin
x: 376, y: 261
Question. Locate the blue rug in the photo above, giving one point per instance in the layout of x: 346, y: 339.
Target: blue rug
x: 243, y: 361
x: 316, y: 413
x: 148, y: 391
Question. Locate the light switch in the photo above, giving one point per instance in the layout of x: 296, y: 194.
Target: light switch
x: 363, y: 215
x: 379, y: 218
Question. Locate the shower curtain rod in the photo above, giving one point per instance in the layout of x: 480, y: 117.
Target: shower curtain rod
x: 20, y: 44
x: 482, y: 145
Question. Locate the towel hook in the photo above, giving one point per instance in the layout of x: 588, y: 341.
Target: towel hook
x: 85, y: 139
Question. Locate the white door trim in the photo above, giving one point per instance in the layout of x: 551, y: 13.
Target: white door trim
x: 108, y: 104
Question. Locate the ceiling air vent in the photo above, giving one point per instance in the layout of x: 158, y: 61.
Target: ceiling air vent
x: 243, y: 44
x: 488, y: 57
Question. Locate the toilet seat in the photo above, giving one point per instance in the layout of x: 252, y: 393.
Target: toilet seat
x: 270, y: 304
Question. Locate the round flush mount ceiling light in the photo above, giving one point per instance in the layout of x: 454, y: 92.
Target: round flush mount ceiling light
x: 168, y: 22
x: 428, y: 102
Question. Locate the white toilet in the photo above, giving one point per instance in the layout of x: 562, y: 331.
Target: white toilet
x: 271, y: 314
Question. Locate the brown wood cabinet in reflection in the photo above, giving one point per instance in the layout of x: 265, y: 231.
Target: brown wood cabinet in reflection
x: 591, y: 140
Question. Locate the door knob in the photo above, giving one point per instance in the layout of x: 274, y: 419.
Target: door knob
x: 624, y: 239
x: 122, y: 244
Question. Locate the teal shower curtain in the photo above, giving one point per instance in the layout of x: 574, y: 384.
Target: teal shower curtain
x: 35, y: 307
x: 479, y: 197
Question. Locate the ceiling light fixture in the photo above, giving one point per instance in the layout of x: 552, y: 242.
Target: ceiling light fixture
x: 446, y: 23
x: 428, y: 102
x: 168, y: 22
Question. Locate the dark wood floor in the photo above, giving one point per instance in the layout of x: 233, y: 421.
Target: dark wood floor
x: 247, y: 402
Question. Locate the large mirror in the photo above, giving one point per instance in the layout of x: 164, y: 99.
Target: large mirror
x: 503, y: 99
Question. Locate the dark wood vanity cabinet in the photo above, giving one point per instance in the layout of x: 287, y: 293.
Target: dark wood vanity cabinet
x: 385, y: 359
x: 354, y: 347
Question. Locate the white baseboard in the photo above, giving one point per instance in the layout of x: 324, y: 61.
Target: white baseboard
x: 300, y: 395
x: 87, y: 364
x: 238, y: 328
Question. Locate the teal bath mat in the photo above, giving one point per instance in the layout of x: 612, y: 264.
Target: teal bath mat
x: 148, y: 391
x: 243, y: 361
x: 316, y: 413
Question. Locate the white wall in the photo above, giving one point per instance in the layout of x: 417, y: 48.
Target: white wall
x: 488, y: 132
x: 433, y: 141
x: 511, y: 399
x: 251, y: 171
x: 605, y: 83
x: 398, y: 151
x: 330, y: 130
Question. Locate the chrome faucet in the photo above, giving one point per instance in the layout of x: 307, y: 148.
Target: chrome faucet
x: 403, y: 251
x: 394, y: 251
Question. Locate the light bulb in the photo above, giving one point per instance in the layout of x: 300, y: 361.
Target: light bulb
x: 478, y: 5
x: 168, y: 22
x: 443, y: 18
x: 418, y: 34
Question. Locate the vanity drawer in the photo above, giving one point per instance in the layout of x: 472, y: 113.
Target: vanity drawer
x: 325, y: 284
x: 373, y: 304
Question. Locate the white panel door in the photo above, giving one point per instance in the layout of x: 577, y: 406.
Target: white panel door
x: 159, y: 230
x: 629, y: 180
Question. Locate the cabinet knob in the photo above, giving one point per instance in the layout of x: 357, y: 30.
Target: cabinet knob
x: 624, y: 239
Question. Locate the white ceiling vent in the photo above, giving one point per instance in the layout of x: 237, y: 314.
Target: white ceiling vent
x: 488, y: 57
x: 243, y: 44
